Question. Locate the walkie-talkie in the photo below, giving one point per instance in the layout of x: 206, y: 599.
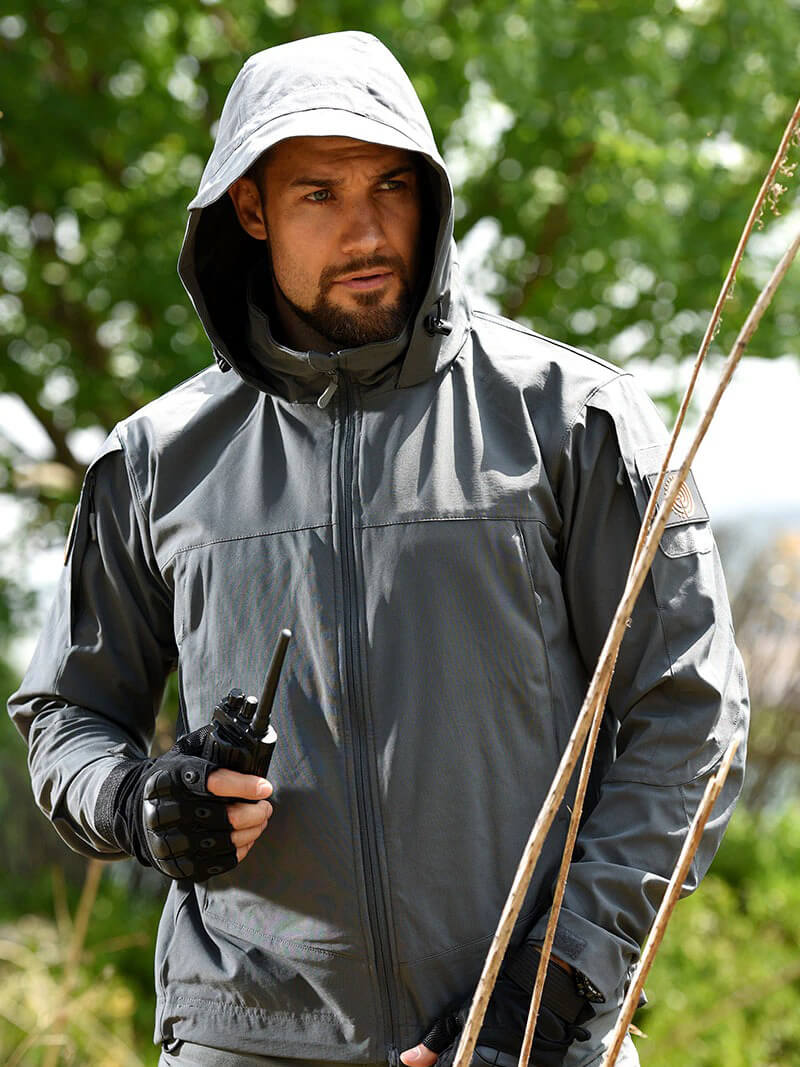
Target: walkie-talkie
x: 241, y: 736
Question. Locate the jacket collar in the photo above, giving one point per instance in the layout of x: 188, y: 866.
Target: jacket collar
x: 427, y: 346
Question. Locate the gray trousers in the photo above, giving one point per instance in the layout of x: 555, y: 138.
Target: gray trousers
x: 581, y: 1054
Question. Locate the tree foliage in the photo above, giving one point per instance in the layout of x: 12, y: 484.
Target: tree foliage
x: 726, y: 982
x: 608, y: 152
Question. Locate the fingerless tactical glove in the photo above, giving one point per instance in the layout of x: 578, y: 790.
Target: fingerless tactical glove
x: 499, y: 1042
x: 160, y: 811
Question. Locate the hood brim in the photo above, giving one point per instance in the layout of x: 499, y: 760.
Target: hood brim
x: 319, y: 122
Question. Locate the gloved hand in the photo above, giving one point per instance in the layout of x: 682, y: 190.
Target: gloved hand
x: 178, y: 813
x: 499, y: 1042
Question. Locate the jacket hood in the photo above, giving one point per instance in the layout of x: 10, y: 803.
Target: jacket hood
x: 340, y: 84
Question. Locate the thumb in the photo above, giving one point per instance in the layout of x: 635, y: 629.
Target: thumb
x: 224, y: 782
x: 419, y: 1056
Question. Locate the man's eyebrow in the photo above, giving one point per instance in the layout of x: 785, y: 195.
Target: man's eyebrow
x: 325, y: 183
x: 330, y: 183
x: 404, y: 168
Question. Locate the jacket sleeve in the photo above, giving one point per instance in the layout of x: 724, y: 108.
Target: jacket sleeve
x: 94, y: 686
x: 678, y: 695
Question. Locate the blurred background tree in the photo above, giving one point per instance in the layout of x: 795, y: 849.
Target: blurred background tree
x: 767, y: 610
x: 605, y: 154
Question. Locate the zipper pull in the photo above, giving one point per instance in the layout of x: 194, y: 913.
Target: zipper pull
x: 327, y: 396
x: 92, y: 513
x: 436, y: 323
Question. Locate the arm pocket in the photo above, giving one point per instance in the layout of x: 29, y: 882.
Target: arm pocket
x: 82, y: 531
x: 688, y: 529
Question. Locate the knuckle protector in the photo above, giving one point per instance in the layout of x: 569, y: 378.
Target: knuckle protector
x: 187, y: 828
x: 171, y: 845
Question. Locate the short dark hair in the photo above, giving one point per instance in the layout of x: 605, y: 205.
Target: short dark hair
x: 256, y: 170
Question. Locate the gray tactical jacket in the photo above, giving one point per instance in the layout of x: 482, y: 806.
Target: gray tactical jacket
x: 447, y: 537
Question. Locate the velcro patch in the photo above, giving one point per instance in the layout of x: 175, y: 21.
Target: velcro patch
x: 688, y: 506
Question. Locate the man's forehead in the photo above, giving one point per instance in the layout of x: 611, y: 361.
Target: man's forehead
x: 301, y: 152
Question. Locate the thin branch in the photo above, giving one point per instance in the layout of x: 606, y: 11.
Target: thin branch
x: 747, y: 332
x: 60, y: 905
x: 598, y: 687
x: 690, y: 846
x: 642, y: 565
x: 94, y: 871
x: 57, y: 436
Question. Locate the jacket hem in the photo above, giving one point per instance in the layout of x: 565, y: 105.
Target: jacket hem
x: 231, y: 1027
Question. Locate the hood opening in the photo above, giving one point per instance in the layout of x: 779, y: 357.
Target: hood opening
x: 223, y: 260
x: 345, y: 84
x: 224, y: 255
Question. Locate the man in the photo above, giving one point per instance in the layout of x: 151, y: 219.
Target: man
x: 442, y: 506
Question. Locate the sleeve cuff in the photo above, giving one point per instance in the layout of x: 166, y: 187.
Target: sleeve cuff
x: 106, y: 806
x: 602, y: 958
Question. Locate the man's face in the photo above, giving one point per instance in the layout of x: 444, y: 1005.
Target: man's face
x: 342, y: 221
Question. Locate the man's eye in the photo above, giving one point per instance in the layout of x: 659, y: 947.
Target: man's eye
x: 392, y: 183
x: 319, y: 196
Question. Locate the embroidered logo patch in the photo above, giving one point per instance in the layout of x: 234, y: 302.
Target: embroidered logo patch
x: 684, y: 501
x: 688, y: 506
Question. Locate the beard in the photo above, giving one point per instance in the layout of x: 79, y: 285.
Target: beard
x: 372, y: 321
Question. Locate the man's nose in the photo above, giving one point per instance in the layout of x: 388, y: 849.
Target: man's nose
x: 362, y: 232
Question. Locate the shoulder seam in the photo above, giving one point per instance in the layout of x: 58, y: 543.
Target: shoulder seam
x: 135, y: 416
x: 508, y: 324
x: 587, y: 402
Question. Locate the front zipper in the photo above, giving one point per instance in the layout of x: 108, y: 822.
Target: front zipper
x: 365, y: 798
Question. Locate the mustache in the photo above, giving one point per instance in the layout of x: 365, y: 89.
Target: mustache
x: 330, y: 275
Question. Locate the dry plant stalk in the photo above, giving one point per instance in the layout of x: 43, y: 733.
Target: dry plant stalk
x: 745, y: 334
x: 594, y: 702
x: 94, y: 871
x: 639, y: 570
x: 668, y: 903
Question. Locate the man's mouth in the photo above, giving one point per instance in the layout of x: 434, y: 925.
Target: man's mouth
x: 367, y: 280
